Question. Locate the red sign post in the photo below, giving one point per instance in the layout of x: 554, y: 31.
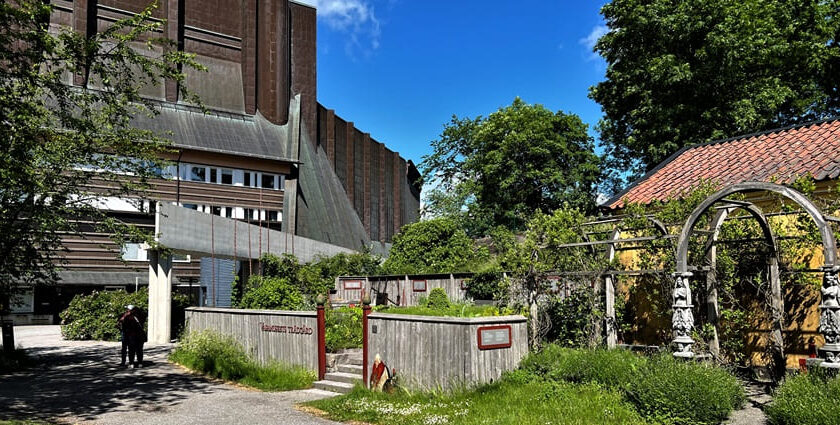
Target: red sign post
x: 322, y: 338
x: 365, y: 313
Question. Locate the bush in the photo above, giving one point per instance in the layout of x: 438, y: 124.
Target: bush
x: 662, y: 388
x: 438, y: 299
x: 272, y: 293
x: 488, y: 285
x: 806, y: 400
x: 438, y: 245
x: 223, y: 357
x: 343, y: 328
x: 95, y: 316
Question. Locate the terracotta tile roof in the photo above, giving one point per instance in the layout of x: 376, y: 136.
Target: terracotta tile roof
x: 783, y: 154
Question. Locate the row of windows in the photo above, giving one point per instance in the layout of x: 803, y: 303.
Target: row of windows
x: 133, y: 251
x: 225, y: 176
x: 238, y: 212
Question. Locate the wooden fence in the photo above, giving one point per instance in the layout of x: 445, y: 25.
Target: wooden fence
x: 445, y: 352
x: 403, y: 290
x: 289, y: 337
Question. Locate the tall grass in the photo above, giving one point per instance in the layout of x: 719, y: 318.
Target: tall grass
x: 663, y: 389
x: 505, y: 402
x: 223, y: 357
x: 810, y: 399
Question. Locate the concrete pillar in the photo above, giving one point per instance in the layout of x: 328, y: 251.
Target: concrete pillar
x: 160, y: 297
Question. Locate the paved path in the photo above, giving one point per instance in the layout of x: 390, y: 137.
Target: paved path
x: 81, y: 382
x: 751, y: 413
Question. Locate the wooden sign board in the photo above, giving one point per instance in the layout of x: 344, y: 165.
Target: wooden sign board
x: 494, y: 337
x: 419, y: 285
x: 352, y: 284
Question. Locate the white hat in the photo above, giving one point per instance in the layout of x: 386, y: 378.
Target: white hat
x: 129, y: 307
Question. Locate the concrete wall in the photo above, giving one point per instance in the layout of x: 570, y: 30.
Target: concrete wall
x: 443, y: 352
x: 289, y: 337
x: 189, y: 231
x: 400, y: 289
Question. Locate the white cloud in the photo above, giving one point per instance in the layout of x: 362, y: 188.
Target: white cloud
x: 356, y: 18
x: 590, y: 40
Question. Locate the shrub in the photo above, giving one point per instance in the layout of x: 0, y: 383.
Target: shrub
x: 272, y: 293
x: 343, y: 328
x: 438, y: 245
x: 488, y: 285
x: 438, y: 299
x: 573, y: 317
x: 806, y: 400
x: 662, y: 388
x: 223, y: 357
x: 95, y: 316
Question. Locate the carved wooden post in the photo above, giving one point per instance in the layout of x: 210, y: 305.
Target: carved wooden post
x: 683, y: 319
x: 320, y: 300
x: 365, y: 354
x: 777, y: 311
x: 830, y: 318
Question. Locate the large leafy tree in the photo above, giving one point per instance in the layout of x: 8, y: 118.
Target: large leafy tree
x: 688, y: 71
x: 438, y: 245
x: 63, y: 145
x: 498, y: 170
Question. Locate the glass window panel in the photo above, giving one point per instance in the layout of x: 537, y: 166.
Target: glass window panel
x: 227, y: 177
x: 214, y: 172
x: 248, y: 178
x: 267, y: 181
x: 198, y: 174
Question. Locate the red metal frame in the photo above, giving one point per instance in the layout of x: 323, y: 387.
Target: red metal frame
x: 365, y: 312
x: 361, y: 284
x: 414, y: 288
x: 322, y: 343
x: 494, y: 346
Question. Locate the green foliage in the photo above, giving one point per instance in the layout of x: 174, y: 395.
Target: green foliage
x: 488, y: 285
x: 689, y: 72
x: 95, y: 316
x: 529, y: 402
x: 663, y: 389
x: 438, y: 299
x: 454, y: 310
x: 805, y: 400
x: 272, y: 293
x: 343, y: 328
x: 498, y: 170
x: 220, y: 356
x: 301, y: 283
x: 433, y: 246
x: 53, y: 134
x: 572, y: 317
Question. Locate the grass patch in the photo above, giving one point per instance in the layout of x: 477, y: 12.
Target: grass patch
x: 806, y: 400
x: 17, y: 360
x: 453, y: 310
x: 223, y: 357
x: 505, y: 402
x: 663, y: 389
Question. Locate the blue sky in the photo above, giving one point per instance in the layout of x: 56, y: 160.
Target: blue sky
x: 399, y: 69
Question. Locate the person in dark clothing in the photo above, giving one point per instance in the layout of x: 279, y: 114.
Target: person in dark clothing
x: 123, y: 340
x: 135, y: 335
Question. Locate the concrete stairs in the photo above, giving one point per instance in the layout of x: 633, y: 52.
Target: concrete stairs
x: 346, y: 372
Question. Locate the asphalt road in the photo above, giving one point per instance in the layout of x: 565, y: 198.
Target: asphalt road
x: 82, y: 382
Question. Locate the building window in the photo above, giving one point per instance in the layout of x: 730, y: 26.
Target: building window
x: 216, y: 210
x: 268, y: 181
x: 227, y: 176
x: 133, y: 251
x: 248, y: 178
x: 181, y: 258
x: 273, y: 216
x: 214, y: 173
x: 190, y: 206
x: 198, y: 174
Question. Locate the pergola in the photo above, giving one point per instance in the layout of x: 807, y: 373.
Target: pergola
x: 683, y: 317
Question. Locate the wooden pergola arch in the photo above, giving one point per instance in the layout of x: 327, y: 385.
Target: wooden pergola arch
x: 683, y: 320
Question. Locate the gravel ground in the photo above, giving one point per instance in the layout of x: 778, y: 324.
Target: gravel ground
x: 82, y: 382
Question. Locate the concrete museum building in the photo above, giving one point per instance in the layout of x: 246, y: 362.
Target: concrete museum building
x: 266, y: 169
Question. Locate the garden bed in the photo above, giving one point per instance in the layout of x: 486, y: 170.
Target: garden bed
x: 563, y: 386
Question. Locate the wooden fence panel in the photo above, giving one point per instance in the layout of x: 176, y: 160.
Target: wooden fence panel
x: 289, y: 337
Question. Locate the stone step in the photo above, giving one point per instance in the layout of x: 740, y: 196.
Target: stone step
x: 351, y: 368
x: 321, y: 393
x: 333, y: 386
x: 350, y: 378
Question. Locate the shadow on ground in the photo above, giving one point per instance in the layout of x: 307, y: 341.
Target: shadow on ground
x: 85, y: 382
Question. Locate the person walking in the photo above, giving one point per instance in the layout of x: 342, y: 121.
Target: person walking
x: 123, y: 340
x: 135, y: 335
